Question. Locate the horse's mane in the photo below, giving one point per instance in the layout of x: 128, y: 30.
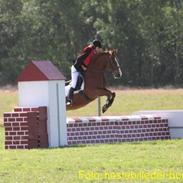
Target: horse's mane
x: 98, y: 55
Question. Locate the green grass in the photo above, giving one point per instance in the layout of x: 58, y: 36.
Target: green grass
x: 99, y: 163
x: 8, y: 100
x: 1, y: 137
x: 126, y: 102
x: 77, y: 164
x: 130, y: 100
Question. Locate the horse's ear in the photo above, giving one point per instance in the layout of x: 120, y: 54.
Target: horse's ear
x: 110, y: 51
x: 114, y: 52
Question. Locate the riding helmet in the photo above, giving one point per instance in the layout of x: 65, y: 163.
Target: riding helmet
x: 97, y: 43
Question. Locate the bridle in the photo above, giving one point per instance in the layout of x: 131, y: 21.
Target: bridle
x: 114, y: 59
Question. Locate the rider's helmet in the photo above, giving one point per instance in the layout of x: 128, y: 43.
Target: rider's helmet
x: 97, y: 43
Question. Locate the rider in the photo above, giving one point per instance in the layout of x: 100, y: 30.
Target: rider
x: 80, y: 65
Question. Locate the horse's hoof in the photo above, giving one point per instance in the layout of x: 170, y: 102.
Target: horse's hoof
x: 114, y: 94
x: 104, y: 108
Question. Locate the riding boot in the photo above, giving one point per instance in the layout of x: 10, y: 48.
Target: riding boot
x: 70, y: 96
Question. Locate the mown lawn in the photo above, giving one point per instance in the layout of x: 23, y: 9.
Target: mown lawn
x: 1, y: 137
x: 158, y: 161
x: 155, y: 161
x: 126, y: 102
x: 8, y: 100
x: 129, y: 100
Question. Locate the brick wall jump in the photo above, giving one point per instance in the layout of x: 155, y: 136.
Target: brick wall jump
x: 26, y: 128
x: 116, y: 129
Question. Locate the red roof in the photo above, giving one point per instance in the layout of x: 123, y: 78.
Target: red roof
x: 40, y: 71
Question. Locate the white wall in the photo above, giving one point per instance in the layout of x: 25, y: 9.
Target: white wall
x: 52, y: 95
x: 33, y: 93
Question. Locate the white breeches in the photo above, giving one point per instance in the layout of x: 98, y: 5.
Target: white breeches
x: 74, y: 76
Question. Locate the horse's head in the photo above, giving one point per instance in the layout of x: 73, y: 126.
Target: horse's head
x: 106, y: 61
x: 113, y: 64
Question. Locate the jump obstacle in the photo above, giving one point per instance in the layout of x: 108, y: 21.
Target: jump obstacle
x: 40, y: 120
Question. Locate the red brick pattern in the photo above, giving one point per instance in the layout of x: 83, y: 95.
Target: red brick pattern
x: 122, y: 129
x: 25, y: 128
x: 16, y: 130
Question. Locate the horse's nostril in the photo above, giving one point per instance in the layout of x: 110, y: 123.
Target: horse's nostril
x: 117, y: 76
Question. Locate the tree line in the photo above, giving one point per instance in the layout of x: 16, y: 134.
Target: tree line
x: 147, y: 33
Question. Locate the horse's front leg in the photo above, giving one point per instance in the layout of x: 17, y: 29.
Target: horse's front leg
x: 110, y: 98
x: 109, y: 101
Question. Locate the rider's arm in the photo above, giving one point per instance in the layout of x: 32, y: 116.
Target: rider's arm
x: 79, y: 62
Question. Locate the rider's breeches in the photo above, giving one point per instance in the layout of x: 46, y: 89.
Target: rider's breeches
x: 74, y: 77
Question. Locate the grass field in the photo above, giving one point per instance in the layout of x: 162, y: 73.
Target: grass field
x: 129, y: 100
x: 156, y: 161
x: 126, y: 102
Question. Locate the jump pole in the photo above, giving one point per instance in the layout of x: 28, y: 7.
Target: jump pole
x: 98, y: 106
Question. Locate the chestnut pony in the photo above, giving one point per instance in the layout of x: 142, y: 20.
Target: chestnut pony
x: 94, y: 81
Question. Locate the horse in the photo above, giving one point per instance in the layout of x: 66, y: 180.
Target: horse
x: 94, y: 81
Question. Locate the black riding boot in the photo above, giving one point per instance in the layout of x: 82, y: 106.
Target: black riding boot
x: 70, y: 96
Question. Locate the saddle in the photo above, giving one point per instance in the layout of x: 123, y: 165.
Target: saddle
x: 79, y: 85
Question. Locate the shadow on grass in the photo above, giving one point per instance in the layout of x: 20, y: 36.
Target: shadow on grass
x: 148, y: 142
x: 117, y: 143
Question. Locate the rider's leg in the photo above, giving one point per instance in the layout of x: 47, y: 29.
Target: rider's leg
x: 70, y: 96
x: 74, y: 78
x: 82, y: 83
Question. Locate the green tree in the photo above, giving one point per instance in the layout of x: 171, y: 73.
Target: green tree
x: 148, y: 35
x: 10, y: 33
